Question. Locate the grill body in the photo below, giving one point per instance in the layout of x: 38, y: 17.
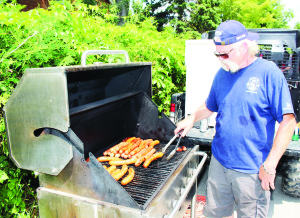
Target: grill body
x: 59, y: 117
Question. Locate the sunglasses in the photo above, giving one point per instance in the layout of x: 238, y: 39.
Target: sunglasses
x: 224, y: 55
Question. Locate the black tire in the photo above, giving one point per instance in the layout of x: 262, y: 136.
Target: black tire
x: 291, y: 177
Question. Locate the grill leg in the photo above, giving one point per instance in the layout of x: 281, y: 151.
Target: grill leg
x: 193, y: 203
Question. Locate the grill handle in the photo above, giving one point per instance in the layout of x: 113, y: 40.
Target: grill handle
x: 102, y: 52
x: 189, y: 186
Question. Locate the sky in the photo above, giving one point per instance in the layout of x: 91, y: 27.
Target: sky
x: 295, y: 6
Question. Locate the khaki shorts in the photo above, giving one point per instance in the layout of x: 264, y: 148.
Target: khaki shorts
x: 228, y: 190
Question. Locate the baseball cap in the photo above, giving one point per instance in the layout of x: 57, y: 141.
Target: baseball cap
x: 232, y: 31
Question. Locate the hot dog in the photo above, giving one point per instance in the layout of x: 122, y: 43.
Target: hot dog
x: 140, y: 153
x: 152, y: 158
x: 133, y: 146
x: 129, y: 177
x: 106, y: 158
x: 129, y: 142
x: 110, y: 150
x: 120, y: 174
x: 122, y: 162
x: 130, y: 139
x: 143, y: 145
x: 115, y: 172
x: 120, y: 146
x: 150, y: 153
x: 152, y: 144
x: 111, y: 168
x: 147, y: 154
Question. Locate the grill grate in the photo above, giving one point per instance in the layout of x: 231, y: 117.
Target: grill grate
x: 158, y: 172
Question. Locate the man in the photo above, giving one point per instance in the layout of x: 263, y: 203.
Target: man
x: 249, y: 94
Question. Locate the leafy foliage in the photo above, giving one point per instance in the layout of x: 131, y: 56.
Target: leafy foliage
x: 205, y: 15
x: 180, y: 13
x: 57, y: 37
x: 256, y: 13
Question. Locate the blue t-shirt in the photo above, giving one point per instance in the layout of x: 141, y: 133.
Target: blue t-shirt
x: 248, y: 102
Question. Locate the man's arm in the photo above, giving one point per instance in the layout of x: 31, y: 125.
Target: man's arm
x: 201, y: 113
x: 282, y: 139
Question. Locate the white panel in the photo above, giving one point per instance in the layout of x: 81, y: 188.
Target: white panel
x: 201, y: 67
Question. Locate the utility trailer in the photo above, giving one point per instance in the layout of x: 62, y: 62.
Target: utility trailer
x: 280, y: 46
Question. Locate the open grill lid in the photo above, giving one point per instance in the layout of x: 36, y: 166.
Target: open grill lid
x: 104, y: 124
x: 43, y: 99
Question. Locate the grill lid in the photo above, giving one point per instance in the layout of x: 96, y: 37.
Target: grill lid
x: 43, y: 99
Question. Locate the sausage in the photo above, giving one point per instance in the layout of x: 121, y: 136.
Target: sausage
x: 122, y: 162
x: 143, y: 145
x: 111, y: 168
x: 179, y: 149
x: 147, y: 154
x: 115, y: 172
x: 122, y: 150
x: 106, y: 158
x: 147, y: 142
x: 120, y: 174
x: 152, y: 158
x: 117, y: 155
x: 150, y: 153
x: 152, y: 144
x: 141, y: 153
x: 124, y: 140
x: 125, y: 156
x: 130, y: 139
x: 133, y: 146
x: 120, y: 146
x: 110, y: 150
x: 129, y: 177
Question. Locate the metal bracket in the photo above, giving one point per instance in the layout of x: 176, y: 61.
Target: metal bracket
x: 102, y: 52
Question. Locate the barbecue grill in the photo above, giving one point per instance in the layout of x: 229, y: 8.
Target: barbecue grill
x: 59, y: 117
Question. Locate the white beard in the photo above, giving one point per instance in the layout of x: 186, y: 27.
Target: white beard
x: 233, y: 67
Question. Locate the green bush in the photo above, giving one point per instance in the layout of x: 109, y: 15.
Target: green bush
x: 57, y: 37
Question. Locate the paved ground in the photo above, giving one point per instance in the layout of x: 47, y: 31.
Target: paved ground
x: 281, y: 205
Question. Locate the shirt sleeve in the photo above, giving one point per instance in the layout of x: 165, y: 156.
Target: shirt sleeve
x: 279, y: 95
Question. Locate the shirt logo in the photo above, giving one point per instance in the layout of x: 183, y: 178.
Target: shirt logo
x: 253, y: 85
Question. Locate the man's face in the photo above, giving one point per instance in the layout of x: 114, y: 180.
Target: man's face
x: 229, y: 57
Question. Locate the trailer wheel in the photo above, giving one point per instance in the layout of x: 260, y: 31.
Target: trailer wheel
x: 291, y: 177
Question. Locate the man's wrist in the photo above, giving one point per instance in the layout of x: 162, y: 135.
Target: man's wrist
x: 270, y: 173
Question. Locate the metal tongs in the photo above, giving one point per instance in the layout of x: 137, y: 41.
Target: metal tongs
x: 174, y: 150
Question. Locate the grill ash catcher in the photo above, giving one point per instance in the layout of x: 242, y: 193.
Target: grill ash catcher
x: 58, y: 117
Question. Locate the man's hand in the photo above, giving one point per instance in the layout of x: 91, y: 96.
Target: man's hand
x: 281, y: 142
x: 186, y: 125
x: 267, y: 180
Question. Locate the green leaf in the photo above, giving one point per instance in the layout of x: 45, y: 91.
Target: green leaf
x: 3, y: 176
x: 2, y: 158
x: 10, y: 195
x: 11, y: 185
